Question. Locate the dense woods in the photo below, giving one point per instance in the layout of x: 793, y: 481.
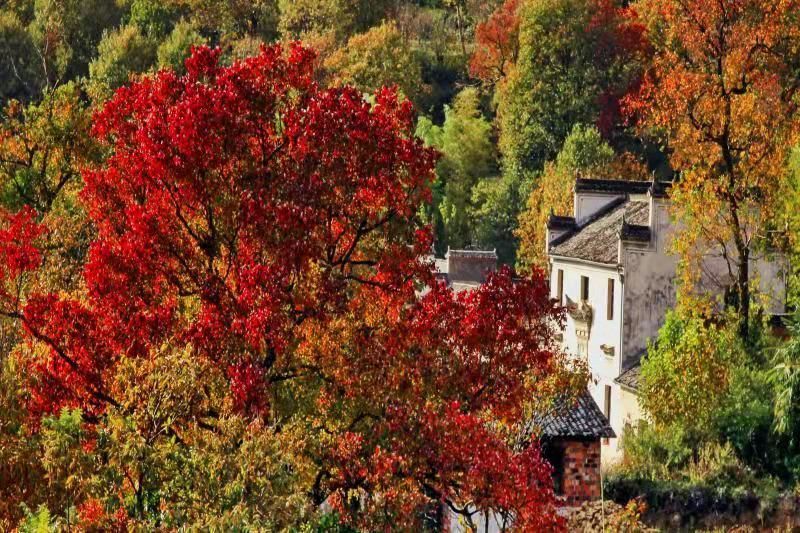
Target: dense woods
x: 216, y: 222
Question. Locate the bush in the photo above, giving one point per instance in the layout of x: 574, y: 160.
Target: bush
x: 689, y: 500
x: 654, y: 453
x: 717, y: 465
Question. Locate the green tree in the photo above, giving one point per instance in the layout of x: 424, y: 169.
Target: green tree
x: 21, y: 73
x: 174, y: 50
x: 154, y: 18
x: 376, y: 58
x: 468, y: 156
x: 304, y: 19
x: 784, y: 376
x: 496, y: 204
x: 576, y: 59
x: 224, y: 21
x: 67, y: 32
x: 687, y: 371
x: 121, y: 53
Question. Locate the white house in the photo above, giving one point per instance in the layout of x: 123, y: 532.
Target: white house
x: 611, y: 266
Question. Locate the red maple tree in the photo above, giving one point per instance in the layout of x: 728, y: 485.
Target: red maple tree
x: 269, y: 226
x: 496, y: 43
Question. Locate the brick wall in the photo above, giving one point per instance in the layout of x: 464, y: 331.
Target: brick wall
x: 581, y: 474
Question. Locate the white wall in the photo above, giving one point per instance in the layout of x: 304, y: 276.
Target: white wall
x: 603, y: 368
x: 587, y: 204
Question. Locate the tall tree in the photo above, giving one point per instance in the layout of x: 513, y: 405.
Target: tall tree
x: 496, y: 44
x: 468, y: 155
x: 256, y: 274
x: 577, y: 58
x: 723, y: 89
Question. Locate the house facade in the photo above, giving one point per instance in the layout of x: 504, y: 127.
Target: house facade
x: 611, y: 266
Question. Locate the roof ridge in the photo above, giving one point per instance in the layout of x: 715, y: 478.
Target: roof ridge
x: 605, y: 185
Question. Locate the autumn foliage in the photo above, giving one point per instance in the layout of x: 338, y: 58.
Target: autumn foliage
x: 723, y: 89
x: 256, y: 254
x: 497, y: 43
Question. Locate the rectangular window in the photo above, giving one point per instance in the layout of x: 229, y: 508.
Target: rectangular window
x: 584, y: 288
x: 607, y: 405
x: 610, y: 305
x: 560, y: 286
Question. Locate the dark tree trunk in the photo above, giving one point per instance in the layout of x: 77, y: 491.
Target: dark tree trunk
x: 743, y: 289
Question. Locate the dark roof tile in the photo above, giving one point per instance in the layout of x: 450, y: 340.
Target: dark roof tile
x: 561, y: 222
x: 572, y: 418
x: 630, y: 378
x: 634, y: 232
x: 596, y: 239
x: 612, y: 186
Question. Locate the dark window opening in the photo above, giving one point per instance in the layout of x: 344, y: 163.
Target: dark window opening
x: 560, y: 286
x: 610, y: 305
x: 584, y: 288
x: 554, y: 454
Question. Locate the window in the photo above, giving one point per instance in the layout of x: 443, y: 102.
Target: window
x: 560, y: 286
x: 610, y: 301
x: 583, y: 348
x: 607, y: 404
x: 584, y: 288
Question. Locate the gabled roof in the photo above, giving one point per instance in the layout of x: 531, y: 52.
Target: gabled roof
x: 630, y: 377
x: 597, y: 239
x: 578, y: 418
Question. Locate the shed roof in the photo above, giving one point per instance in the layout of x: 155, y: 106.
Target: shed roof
x: 630, y: 377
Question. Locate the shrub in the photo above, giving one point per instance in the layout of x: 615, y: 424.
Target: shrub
x: 717, y: 464
x: 654, y: 453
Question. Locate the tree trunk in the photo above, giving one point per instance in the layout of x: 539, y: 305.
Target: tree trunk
x: 743, y: 290
x: 460, y: 23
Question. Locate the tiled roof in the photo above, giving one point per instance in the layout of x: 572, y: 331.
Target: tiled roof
x: 612, y: 186
x: 630, y: 378
x: 596, y: 239
x: 574, y: 418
